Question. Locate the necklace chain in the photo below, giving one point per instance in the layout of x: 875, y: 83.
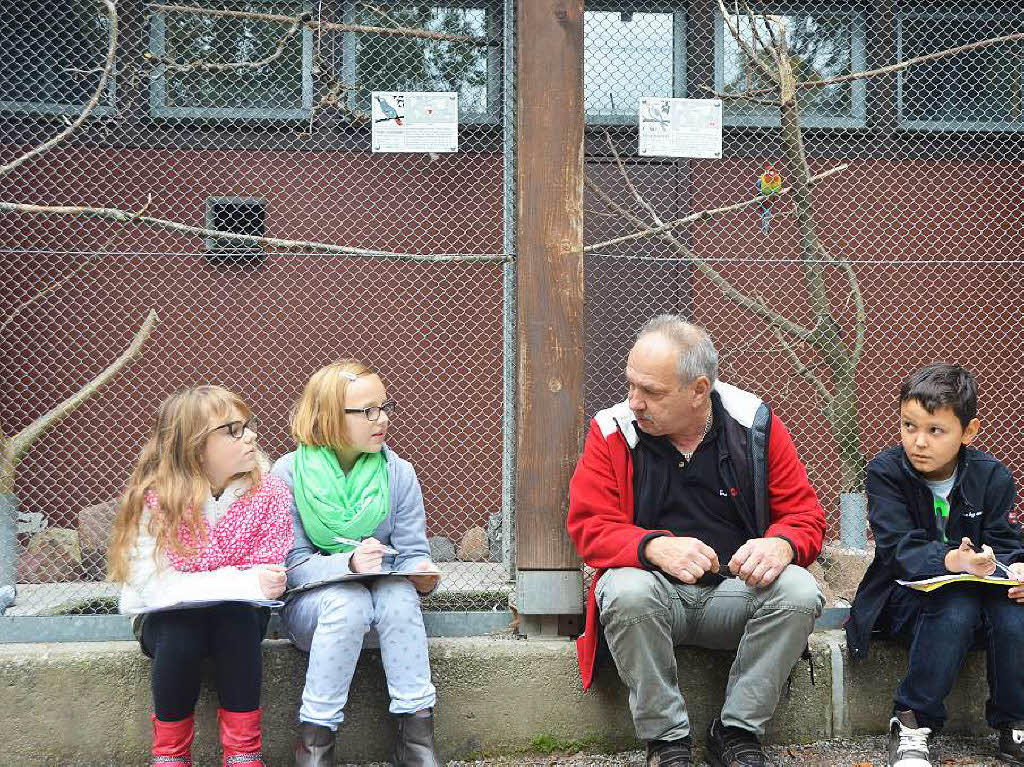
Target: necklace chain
x: 707, y: 428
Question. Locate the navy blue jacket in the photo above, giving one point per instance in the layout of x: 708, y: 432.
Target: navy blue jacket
x: 907, y: 545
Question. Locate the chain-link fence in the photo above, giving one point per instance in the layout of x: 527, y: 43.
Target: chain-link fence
x: 252, y: 118
x: 917, y: 257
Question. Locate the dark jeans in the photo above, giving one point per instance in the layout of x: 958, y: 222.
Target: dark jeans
x: 178, y: 640
x: 940, y: 627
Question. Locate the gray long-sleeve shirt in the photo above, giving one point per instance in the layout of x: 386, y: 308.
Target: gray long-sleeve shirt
x: 403, y: 529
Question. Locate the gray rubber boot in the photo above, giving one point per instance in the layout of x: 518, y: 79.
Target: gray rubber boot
x: 414, y: 746
x: 315, y: 746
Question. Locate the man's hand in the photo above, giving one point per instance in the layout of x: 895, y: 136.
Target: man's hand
x: 759, y: 561
x: 1017, y: 592
x: 684, y: 558
x: 966, y: 560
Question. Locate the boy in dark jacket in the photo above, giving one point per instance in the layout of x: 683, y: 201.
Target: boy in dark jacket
x: 937, y: 506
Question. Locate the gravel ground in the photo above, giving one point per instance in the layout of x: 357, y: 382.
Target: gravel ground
x: 853, y: 752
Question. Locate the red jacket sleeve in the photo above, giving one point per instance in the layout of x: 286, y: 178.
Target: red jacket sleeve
x: 600, y: 519
x: 796, y: 514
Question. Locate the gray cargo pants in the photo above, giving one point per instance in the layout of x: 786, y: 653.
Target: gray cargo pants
x: 644, y: 615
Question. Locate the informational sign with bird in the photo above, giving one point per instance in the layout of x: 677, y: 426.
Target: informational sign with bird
x: 768, y: 185
x: 415, y: 121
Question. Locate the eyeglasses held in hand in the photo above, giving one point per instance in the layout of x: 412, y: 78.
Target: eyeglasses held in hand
x: 373, y: 412
x: 236, y: 429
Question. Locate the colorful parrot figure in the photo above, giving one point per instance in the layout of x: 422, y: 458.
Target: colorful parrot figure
x: 389, y: 112
x: 770, y: 183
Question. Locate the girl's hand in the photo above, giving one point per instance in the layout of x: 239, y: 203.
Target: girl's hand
x: 273, y: 579
x: 367, y: 557
x: 1017, y: 592
x: 425, y: 583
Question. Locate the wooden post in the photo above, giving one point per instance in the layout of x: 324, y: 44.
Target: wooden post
x: 549, y: 269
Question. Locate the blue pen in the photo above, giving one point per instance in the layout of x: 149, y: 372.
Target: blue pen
x: 353, y: 542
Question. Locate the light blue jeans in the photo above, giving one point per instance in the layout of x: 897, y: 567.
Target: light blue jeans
x: 330, y: 624
x: 644, y: 615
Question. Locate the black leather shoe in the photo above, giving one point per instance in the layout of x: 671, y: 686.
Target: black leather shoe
x: 670, y: 753
x: 734, y: 747
x: 315, y: 746
x: 414, y: 746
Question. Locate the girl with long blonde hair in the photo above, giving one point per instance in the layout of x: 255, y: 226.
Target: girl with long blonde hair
x: 199, y: 539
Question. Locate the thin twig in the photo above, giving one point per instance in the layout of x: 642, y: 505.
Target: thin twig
x: 326, y: 26
x: 802, y: 370
x: 170, y: 65
x: 101, y: 87
x: 705, y: 214
x: 892, y: 68
x: 48, y: 290
x: 123, y: 216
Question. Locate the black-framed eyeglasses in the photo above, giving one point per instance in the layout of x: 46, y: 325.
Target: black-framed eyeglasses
x: 373, y: 412
x: 236, y: 429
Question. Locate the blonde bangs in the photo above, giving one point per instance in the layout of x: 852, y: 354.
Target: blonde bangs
x: 318, y: 418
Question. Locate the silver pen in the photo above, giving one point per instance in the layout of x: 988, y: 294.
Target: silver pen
x: 353, y: 542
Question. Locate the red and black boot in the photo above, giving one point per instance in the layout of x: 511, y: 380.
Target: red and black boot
x: 240, y: 737
x: 172, y: 741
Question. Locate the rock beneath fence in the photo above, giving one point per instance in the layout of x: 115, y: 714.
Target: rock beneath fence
x: 95, y: 528
x: 494, y: 536
x: 844, y: 569
x: 473, y: 546
x: 816, y: 569
x: 441, y: 549
x: 53, y: 556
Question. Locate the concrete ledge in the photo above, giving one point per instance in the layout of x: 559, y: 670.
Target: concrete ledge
x: 88, y: 703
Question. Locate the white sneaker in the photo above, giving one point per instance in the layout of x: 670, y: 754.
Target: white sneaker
x: 908, y: 743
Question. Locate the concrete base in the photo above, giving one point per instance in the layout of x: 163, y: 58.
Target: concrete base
x: 89, y: 703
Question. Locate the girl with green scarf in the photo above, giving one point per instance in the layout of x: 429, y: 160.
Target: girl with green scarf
x: 346, y: 484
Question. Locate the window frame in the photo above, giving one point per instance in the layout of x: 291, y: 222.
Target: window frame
x: 158, y: 107
x: 495, y: 75
x: 58, y: 108
x: 679, y: 55
x: 950, y: 126
x: 809, y: 118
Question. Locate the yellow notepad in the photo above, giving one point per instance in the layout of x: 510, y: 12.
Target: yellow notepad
x: 930, y: 584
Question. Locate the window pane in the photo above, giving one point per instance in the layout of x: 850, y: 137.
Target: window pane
x: 625, y: 56
x: 981, y: 86
x: 49, y: 51
x: 190, y: 37
x: 408, y: 64
x: 821, y: 47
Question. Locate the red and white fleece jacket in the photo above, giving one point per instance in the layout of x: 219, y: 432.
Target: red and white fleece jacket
x: 241, y: 529
x: 601, y: 518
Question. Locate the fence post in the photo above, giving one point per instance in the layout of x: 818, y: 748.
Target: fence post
x: 549, y: 271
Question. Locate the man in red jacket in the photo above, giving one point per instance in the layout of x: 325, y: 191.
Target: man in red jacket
x: 691, y: 503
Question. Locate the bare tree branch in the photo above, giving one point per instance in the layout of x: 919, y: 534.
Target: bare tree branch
x: 749, y: 51
x: 101, y: 87
x: 48, y: 290
x: 887, y: 70
x: 326, y: 26
x: 123, y: 216
x: 705, y: 214
x: 170, y: 65
x: 20, y: 443
x: 802, y: 370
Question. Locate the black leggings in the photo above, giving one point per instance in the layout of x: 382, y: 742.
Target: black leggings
x: 177, y: 641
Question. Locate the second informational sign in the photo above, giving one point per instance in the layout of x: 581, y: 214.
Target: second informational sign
x: 680, y: 127
x: 413, y: 121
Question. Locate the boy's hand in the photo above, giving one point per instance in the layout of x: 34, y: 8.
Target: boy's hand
x: 966, y: 560
x: 1017, y: 592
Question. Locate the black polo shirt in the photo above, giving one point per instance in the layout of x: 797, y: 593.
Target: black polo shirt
x: 687, y: 497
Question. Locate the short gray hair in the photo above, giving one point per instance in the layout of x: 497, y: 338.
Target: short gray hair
x: 697, y: 354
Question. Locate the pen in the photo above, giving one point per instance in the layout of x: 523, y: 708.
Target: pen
x: 301, y: 562
x: 352, y: 542
x: 999, y: 565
